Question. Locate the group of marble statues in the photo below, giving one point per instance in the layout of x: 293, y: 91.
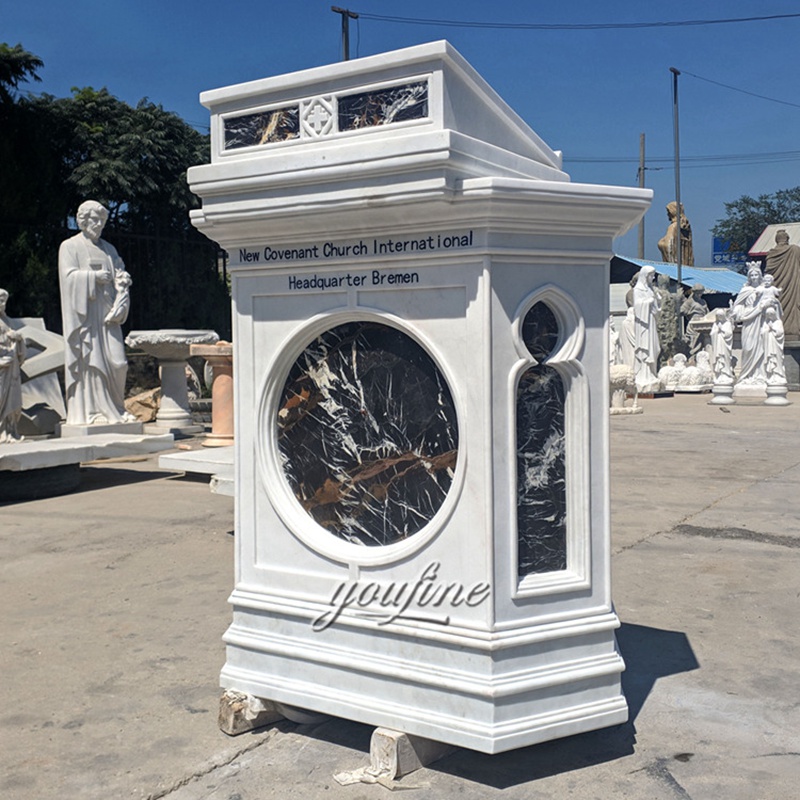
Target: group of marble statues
x: 651, y: 324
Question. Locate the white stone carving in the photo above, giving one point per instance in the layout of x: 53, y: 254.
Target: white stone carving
x: 646, y: 306
x: 318, y: 117
x: 627, y: 340
x: 748, y: 311
x: 171, y: 348
x: 774, y: 371
x: 95, y: 300
x: 670, y: 375
x: 623, y: 382
x: 696, y: 377
x: 12, y: 356
x: 722, y: 357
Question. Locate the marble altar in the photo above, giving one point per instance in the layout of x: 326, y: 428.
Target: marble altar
x: 420, y: 308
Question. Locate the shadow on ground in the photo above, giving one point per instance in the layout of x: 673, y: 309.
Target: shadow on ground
x: 39, y: 484
x: 649, y: 653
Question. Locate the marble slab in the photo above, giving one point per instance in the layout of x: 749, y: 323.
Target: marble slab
x: 217, y: 463
x: 41, y: 454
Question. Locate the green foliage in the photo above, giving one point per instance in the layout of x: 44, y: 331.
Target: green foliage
x: 57, y: 152
x: 16, y: 66
x: 747, y: 217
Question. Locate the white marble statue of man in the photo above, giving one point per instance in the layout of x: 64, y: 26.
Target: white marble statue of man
x: 645, y: 309
x: 95, y: 300
x: 774, y: 339
x: 12, y: 356
x: 722, y: 348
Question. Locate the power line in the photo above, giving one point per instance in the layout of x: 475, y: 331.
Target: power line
x: 723, y: 159
x: 589, y: 26
x: 743, y: 91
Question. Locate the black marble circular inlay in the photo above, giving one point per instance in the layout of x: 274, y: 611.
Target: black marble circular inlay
x: 367, y: 433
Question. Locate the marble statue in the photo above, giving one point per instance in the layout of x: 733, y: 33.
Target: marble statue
x: 614, y: 350
x: 627, y: 339
x: 783, y: 262
x: 667, y: 243
x: 95, y: 300
x: 696, y: 377
x: 645, y: 311
x: 694, y: 309
x: 773, y: 333
x: 623, y: 383
x: 722, y: 348
x: 670, y: 375
x: 12, y: 356
x: 629, y: 293
x: 770, y: 294
x: 667, y: 318
x: 748, y: 310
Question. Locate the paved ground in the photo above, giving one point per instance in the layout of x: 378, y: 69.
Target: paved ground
x: 114, y: 602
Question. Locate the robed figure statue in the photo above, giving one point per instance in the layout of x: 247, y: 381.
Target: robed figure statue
x: 95, y: 300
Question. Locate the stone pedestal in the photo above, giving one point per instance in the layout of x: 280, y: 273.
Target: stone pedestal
x: 791, y: 364
x: 220, y: 358
x: 171, y: 348
x: 723, y: 394
x: 776, y: 396
x: 749, y: 394
x: 421, y: 344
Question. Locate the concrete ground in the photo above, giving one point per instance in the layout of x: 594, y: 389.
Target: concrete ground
x: 114, y: 602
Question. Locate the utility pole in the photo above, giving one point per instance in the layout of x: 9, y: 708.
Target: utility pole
x: 641, y: 186
x: 678, y: 215
x: 347, y: 15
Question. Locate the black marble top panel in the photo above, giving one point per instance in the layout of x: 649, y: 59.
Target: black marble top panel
x: 367, y: 433
x: 265, y: 127
x: 383, y: 106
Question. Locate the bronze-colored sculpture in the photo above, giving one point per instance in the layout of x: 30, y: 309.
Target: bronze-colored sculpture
x: 783, y: 262
x: 667, y: 243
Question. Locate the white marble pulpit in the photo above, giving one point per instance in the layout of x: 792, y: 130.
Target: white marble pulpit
x: 421, y: 403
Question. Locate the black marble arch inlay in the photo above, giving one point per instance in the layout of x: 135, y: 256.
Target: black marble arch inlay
x: 367, y: 433
x: 384, y: 106
x: 266, y: 127
x: 541, y: 464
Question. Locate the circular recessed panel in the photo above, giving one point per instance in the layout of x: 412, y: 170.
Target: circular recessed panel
x: 367, y: 433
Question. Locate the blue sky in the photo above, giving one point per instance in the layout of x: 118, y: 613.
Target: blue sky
x: 589, y: 93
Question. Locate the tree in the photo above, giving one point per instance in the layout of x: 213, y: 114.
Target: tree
x: 57, y: 152
x: 747, y: 217
x: 16, y: 65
